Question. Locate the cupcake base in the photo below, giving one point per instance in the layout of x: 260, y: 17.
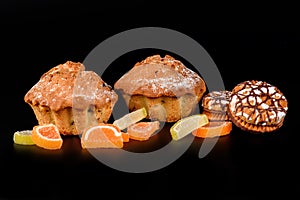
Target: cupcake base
x: 70, y: 121
x: 168, y: 109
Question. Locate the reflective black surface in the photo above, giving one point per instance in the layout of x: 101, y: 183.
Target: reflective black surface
x: 39, y: 35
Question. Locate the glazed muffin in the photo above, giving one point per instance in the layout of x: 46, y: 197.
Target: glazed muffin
x: 164, y: 86
x: 257, y: 106
x: 215, y: 105
x: 71, y: 98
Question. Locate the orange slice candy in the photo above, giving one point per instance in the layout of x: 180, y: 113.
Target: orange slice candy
x: 142, y: 130
x: 213, y: 129
x: 47, y: 136
x: 125, y: 137
x: 102, y: 136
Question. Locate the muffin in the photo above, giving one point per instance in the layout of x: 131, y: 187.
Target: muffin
x: 71, y: 98
x: 257, y: 106
x: 215, y: 105
x: 164, y: 86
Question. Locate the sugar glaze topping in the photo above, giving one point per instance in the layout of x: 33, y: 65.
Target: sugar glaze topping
x: 160, y: 76
x: 67, y: 82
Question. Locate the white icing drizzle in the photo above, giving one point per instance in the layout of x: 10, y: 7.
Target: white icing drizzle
x: 258, y: 102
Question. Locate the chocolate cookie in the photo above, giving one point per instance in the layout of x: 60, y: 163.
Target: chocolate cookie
x: 215, y: 105
x: 257, y: 106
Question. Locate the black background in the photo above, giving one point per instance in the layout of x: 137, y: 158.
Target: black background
x: 246, y: 42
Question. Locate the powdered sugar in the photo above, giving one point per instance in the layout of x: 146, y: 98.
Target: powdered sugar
x: 57, y: 88
x: 156, y: 80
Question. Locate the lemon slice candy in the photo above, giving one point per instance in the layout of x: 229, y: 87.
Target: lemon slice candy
x: 130, y: 118
x: 23, y: 137
x: 186, y: 125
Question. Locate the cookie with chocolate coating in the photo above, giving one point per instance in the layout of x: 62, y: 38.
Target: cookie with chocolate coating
x: 215, y: 105
x: 257, y: 106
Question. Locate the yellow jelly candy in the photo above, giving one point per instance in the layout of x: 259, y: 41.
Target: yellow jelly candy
x: 23, y: 137
x: 130, y: 118
x: 186, y: 125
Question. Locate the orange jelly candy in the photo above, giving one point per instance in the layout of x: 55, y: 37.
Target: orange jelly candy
x: 102, y: 136
x: 213, y: 129
x: 142, y: 130
x: 47, y: 136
